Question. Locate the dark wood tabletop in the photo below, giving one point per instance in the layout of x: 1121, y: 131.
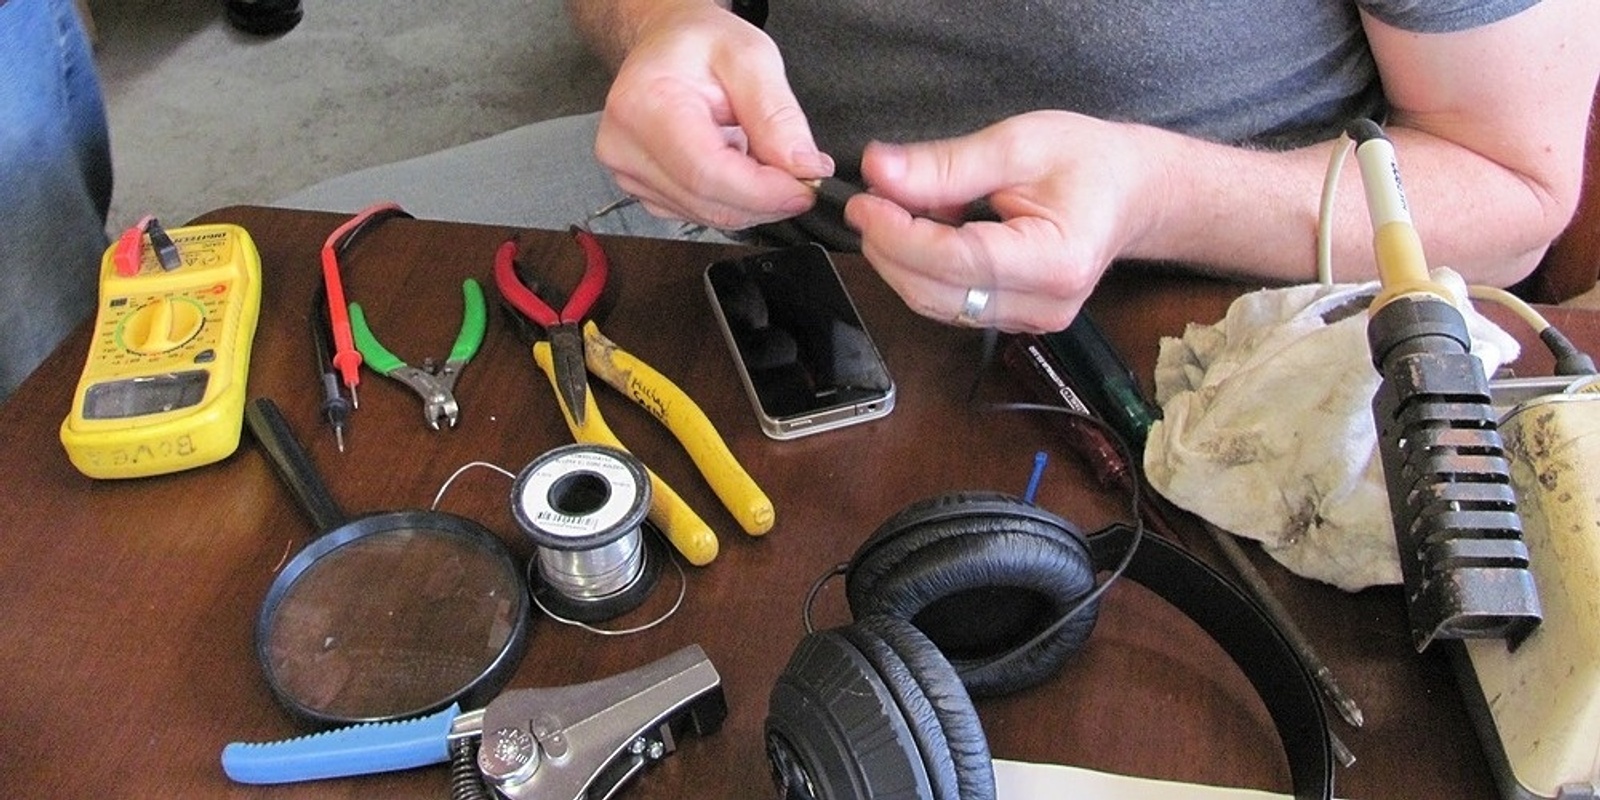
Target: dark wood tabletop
x: 127, y: 607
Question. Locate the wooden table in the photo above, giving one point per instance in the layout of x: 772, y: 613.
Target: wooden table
x: 127, y: 607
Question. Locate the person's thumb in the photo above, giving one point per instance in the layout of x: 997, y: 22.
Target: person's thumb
x: 928, y: 175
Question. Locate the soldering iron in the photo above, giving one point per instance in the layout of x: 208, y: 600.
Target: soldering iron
x: 1462, y: 556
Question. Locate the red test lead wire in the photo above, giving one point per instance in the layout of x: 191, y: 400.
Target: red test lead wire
x: 346, y: 358
x: 130, y: 248
x: 129, y: 255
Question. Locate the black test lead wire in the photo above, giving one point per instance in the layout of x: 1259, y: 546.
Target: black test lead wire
x: 346, y: 357
x: 335, y: 408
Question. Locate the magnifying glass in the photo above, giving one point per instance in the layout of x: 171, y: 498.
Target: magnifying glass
x: 385, y: 616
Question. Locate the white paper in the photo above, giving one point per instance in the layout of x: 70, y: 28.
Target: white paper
x: 1022, y: 780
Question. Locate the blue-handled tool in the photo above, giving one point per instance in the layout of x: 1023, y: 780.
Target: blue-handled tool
x: 342, y: 752
x: 572, y: 742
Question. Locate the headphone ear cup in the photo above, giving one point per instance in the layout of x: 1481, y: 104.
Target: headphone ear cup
x: 980, y: 575
x: 834, y: 729
x: 873, y: 710
x: 935, y: 701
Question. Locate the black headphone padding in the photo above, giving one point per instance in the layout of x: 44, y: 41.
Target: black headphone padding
x: 920, y: 677
x: 862, y: 709
x: 1250, y: 637
x: 1024, y: 567
x: 833, y: 721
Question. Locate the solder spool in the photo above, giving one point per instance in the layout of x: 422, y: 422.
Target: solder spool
x: 583, y: 506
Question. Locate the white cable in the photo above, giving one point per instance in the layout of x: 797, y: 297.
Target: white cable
x: 1516, y: 304
x: 1330, y: 188
x: 463, y: 468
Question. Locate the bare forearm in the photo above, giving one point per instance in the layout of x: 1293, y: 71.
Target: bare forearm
x: 611, y: 27
x: 1488, y: 124
x: 1254, y: 213
x: 1491, y: 155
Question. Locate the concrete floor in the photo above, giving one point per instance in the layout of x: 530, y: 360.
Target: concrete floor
x: 203, y: 116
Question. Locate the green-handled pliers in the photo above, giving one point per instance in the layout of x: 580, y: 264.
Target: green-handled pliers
x: 434, y: 383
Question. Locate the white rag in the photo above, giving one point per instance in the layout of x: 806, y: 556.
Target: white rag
x: 1267, y: 428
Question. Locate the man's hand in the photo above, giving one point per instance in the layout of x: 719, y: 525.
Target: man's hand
x: 1071, y: 193
x: 1491, y: 157
x: 700, y: 123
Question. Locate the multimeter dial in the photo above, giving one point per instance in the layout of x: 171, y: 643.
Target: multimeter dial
x: 162, y: 325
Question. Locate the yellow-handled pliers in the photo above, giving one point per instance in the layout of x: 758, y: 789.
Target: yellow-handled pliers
x: 568, y: 375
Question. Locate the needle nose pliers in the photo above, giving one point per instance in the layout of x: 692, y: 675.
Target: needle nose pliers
x: 565, y: 327
x: 575, y: 347
x: 433, y: 383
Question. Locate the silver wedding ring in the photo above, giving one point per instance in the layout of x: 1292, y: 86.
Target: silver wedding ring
x: 972, y: 306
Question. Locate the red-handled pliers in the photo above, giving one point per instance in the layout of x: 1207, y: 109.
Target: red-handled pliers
x: 565, y: 328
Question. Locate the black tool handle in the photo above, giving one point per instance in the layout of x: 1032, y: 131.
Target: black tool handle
x: 293, y: 464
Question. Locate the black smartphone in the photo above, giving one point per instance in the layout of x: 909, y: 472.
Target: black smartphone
x: 804, y: 356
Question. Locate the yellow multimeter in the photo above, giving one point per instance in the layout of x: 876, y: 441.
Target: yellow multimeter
x: 163, y: 389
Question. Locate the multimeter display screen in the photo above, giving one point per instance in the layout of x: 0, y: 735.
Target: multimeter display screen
x: 153, y: 394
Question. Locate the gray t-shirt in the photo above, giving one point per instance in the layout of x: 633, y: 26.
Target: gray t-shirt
x: 1271, y: 73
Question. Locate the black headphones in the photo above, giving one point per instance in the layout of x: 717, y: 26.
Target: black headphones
x: 881, y: 708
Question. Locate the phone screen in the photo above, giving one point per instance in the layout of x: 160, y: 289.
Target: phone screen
x: 803, y: 352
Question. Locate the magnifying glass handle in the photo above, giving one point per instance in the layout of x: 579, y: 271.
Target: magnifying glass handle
x: 292, y: 463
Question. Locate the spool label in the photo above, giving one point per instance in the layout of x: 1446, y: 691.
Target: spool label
x: 621, y: 504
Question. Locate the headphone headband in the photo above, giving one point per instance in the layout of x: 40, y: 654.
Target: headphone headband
x: 916, y: 570
x: 1249, y: 637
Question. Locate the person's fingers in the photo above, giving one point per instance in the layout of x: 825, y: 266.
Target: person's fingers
x: 671, y: 151
x: 941, y: 176
x: 778, y: 132
x: 725, y: 191
x: 761, y: 103
x: 1022, y: 265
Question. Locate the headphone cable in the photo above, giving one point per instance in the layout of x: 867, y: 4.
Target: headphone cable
x: 1131, y: 483
x: 1132, y: 486
x: 1135, y: 496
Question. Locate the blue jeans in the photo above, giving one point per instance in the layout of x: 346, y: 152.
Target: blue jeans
x: 55, y: 181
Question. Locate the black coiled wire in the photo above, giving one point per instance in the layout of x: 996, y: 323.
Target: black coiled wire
x: 466, y: 783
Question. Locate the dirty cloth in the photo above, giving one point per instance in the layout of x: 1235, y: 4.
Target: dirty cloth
x: 1267, y: 427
